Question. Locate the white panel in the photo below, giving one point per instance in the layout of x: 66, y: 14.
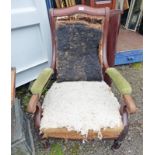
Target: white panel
x: 24, y: 17
x: 25, y: 76
x: 31, y: 39
x: 16, y: 4
x: 27, y: 47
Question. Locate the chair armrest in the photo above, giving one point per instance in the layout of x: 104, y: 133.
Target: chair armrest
x: 124, y: 88
x: 129, y: 102
x: 37, y: 88
x: 41, y: 81
x: 31, y: 108
x: 119, y: 81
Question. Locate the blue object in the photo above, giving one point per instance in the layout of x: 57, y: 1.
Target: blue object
x: 128, y: 57
x: 49, y: 4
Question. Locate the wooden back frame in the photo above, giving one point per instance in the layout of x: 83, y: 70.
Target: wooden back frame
x: 101, y: 4
x: 105, y: 12
x: 13, y: 81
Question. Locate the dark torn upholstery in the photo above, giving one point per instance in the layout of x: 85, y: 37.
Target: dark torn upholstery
x: 77, y: 53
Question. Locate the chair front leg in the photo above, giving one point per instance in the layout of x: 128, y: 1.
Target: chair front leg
x: 38, y: 115
x: 32, y: 105
x: 117, y: 142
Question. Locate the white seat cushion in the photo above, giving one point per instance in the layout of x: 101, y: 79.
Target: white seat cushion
x: 80, y: 106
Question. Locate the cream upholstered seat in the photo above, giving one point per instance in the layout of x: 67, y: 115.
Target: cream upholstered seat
x: 80, y: 109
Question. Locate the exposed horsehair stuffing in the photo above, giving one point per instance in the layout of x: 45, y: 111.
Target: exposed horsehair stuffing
x: 81, y: 106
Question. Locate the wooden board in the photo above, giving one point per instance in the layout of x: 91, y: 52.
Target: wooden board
x: 109, y: 133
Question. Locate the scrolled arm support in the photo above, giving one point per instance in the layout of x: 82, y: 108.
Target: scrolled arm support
x: 124, y: 88
x: 37, y: 89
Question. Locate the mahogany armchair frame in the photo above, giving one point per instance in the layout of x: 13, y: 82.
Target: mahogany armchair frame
x: 106, y: 56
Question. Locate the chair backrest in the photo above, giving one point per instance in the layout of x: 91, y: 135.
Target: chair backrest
x: 101, y: 3
x: 105, y: 12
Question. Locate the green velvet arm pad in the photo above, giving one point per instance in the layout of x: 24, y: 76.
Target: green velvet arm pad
x: 41, y: 81
x: 120, y: 82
